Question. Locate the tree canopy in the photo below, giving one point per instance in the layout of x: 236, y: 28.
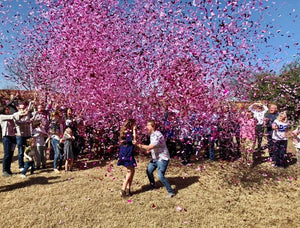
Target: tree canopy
x: 282, y: 90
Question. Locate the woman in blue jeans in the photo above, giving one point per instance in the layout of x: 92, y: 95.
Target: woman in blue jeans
x: 160, y: 157
x: 56, y: 130
x: 280, y: 131
x: 8, y: 138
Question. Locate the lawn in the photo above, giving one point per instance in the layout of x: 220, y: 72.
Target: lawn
x: 217, y: 194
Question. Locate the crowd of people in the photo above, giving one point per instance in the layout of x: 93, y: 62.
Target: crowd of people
x: 233, y: 130
x: 227, y: 133
x: 33, y: 128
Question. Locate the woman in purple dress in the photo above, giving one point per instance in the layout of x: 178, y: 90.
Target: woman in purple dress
x: 126, y: 155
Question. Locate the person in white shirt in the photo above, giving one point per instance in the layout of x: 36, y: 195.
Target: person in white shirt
x: 280, y: 128
x: 23, y: 132
x: 160, y: 157
x: 7, y: 123
x: 259, y: 110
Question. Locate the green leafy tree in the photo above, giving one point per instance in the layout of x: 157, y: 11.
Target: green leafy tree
x: 282, y: 90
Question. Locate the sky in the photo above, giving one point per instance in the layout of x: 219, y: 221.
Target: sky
x: 283, y: 15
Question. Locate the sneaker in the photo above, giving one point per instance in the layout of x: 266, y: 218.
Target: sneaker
x: 170, y: 195
x: 56, y: 170
x: 21, y: 169
x: 23, y: 176
x: 123, y: 193
x: 152, y: 187
x: 6, y: 174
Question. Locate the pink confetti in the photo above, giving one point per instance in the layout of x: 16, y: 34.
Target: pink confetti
x: 90, y: 63
x: 178, y: 208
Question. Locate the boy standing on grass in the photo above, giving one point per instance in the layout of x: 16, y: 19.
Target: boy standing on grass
x: 29, y: 155
x: 160, y: 157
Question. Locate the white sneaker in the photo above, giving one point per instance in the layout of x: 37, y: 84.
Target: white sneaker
x: 170, y: 195
x: 21, y: 169
x: 56, y: 170
x: 23, y: 176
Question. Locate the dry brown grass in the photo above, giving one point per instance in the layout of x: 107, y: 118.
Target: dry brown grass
x: 209, y: 195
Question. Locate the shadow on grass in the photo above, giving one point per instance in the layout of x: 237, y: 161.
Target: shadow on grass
x: 90, y: 164
x: 80, y: 164
x: 31, y: 181
x: 182, y: 182
x: 259, y: 176
x: 179, y: 182
x: 258, y: 159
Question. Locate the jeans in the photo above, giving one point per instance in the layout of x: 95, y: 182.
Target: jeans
x: 57, y: 154
x: 40, y: 153
x: 8, y: 147
x: 26, y: 167
x: 259, y: 132
x: 186, y: 150
x: 20, y: 144
x: 280, y: 152
x: 162, y: 167
x: 270, y: 146
x: 209, y: 144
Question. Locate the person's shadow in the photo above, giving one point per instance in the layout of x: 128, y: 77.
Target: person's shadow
x: 86, y: 164
x: 259, y: 159
x: 30, y: 181
x: 179, y: 182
